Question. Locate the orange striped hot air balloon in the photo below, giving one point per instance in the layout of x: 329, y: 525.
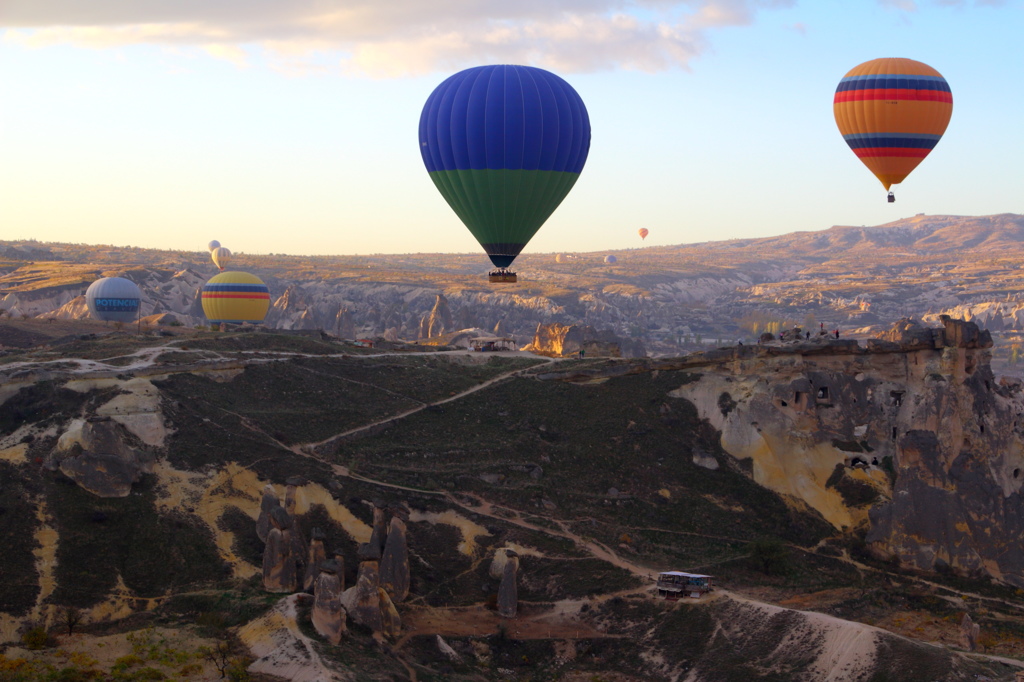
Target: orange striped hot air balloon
x: 892, y: 113
x: 644, y: 232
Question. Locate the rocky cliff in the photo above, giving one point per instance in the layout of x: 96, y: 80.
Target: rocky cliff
x: 908, y: 437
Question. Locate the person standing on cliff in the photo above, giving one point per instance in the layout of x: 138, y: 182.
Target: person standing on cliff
x: 837, y: 333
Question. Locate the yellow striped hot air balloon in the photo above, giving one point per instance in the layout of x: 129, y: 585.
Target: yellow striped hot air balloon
x: 892, y: 113
x: 235, y: 297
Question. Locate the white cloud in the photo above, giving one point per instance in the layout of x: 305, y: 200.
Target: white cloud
x: 387, y: 38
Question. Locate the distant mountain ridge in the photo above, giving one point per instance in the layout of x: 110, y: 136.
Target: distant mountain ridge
x: 669, y: 298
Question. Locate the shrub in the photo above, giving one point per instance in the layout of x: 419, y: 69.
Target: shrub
x: 36, y: 638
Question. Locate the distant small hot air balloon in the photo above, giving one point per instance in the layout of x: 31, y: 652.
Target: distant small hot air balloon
x: 610, y: 259
x: 644, y: 232
x: 113, y: 299
x: 559, y: 258
x: 214, y: 245
x: 504, y: 145
x: 221, y: 257
x: 892, y: 113
x: 235, y: 297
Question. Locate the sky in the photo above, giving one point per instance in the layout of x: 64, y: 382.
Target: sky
x: 290, y: 126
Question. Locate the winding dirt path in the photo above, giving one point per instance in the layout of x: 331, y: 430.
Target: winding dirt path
x: 327, y: 442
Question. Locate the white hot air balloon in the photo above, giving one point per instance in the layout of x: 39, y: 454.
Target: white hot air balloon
x: 221, y: 257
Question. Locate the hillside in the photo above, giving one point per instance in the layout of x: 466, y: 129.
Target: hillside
x: 657, y: 300
x: 133, y: 472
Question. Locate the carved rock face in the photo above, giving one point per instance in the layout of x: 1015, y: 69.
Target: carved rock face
x: 910, y: 436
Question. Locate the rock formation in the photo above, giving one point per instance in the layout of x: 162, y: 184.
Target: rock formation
x: 345, y: 324
x: 391, y: 622
x: 317, y: 556
x: 299, y: 549
x: 365, y: 596
x: 94, y: 455
x: 560, y: 340
x: 279, y: 565
x: 394, y: 565
x: 446, y: 650
x: 969, y: 631
x: 328, y: 614
x: 378, y: 537
x: 508, y: 592
x: 268, y: 503
x: 339, y: 560
x: 439, y: 320
x: 910, y: 436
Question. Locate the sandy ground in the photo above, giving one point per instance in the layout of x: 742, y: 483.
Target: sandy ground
x: 533, y: 622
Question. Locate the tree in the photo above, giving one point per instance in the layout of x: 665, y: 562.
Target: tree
x: 219, y: 655
x: 68, y: 617
x: 771, y: 556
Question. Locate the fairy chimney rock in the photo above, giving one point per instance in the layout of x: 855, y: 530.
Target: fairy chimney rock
x: 328, y: 614
x: 391, y: 622
x: 366, y: 597
x: 439, y: 321
x: 394, y: 565
x: 380, y: 529
x: 508, y: 593
x: 969, y: 631
x: 279, y: 565
x: 317, y: 556
x: 269, y: 502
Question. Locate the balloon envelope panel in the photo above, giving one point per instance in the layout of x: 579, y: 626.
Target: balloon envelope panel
x: 892, y: 113
x: 504, y: 145
x: 113, y: 299
x: 235, y: 297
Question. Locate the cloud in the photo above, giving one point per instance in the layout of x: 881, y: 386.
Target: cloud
x: 912, y: 6
x: 904, y: 5
x: 396, y: 37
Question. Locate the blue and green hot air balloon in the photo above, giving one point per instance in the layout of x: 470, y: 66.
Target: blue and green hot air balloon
x: 504, y: 145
